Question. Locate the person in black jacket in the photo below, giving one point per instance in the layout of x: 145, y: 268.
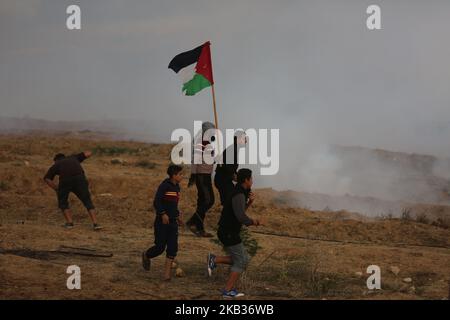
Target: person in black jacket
x: 231, y: 220
x: 226, y: 170
x: 168, y: 217
x: 71, y: 179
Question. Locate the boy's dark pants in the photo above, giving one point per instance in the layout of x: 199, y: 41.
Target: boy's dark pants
x: 205, y: 200
x: 166, y: 238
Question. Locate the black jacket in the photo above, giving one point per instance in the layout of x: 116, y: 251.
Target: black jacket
x: 226, y: 170
x: 233, y: 217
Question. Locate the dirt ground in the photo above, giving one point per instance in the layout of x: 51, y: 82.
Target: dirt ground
x: 303, y: 254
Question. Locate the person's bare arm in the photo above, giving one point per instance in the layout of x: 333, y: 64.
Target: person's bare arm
x: 83, y: 155
x: 87, y: 154
x: 50, y: 175
x: 180, y: 219
x: 51, y: 184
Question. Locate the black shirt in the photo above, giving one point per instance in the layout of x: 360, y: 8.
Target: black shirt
x: 231, y: 220
x: 228, y: 168
x: 67, y: 167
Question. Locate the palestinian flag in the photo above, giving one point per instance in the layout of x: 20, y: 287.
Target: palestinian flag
x: 195, y: 69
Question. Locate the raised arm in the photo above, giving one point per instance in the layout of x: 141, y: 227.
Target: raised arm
x: 83, y: 155
x: 87, y: 154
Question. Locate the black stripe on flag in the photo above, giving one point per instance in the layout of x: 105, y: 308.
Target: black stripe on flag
x: 185, y: 59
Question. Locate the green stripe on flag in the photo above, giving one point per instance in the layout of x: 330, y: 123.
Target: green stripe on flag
x: 196, y: 84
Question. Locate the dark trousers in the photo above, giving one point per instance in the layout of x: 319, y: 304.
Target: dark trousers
x: 205, y: 200
x: 225, y: 187
x: 166, y: 238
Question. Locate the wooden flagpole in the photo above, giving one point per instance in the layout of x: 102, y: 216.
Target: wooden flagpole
x: 216, y: 122
x: 214, y: 106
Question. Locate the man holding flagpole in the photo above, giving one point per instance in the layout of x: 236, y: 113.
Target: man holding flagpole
x: 201, y: 177
x: 195, y: 68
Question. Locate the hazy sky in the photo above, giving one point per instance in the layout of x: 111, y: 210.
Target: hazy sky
x: 310, y: 68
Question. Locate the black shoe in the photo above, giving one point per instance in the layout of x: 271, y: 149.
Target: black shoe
x: 146, y: 262
x: 68, y: 225
x: 96, y: 227
x: 193, y: 229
